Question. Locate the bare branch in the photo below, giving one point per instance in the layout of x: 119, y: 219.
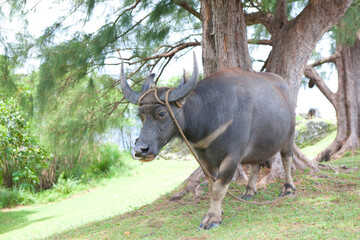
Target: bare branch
x: 330, y: 59
x: 264, y: 18
x: 162, y: 69
x: 188, y: 8
x: 171, y: 52
x: 266, y: 62
x: 311, y: 73
x: 255, y: 6
x: 260, y: 41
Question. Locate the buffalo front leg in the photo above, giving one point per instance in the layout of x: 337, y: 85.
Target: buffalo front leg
x: 219, y: 189
x: 251, y: 187
x: 289, y: 187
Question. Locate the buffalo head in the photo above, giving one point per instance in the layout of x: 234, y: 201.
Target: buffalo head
x: 158, y: 126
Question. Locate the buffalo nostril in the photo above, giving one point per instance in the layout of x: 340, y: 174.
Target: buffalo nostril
x: 144, y: 150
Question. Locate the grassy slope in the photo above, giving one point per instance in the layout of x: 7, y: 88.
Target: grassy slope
x: 311, y: 151
x: 326, y: 207
x: 115, y: 197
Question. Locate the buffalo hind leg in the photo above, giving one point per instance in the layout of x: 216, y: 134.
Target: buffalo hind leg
x: 219, y: 189
x: 289, y: 187
x: 251, y: 187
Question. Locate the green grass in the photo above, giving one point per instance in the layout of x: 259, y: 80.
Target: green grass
x: 326, y: 207
x: 313, y: 150
x: 141, y: 186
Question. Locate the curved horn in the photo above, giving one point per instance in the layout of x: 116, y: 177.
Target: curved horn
x: 128, y: 93
x: 184, y: 90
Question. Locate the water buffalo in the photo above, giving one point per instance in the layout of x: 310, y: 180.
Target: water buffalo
x: 231, y: 117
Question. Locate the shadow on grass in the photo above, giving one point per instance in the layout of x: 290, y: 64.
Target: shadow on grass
x: 10, y: 221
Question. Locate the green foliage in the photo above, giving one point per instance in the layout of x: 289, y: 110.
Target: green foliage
x: 8, y: 198
x: 71, y: 125
x: 21, y: 156
x: 349, y: 25
x: 8, y: 87
x: 65, y: 186
x: 21, y: 196
x: 109, y: 157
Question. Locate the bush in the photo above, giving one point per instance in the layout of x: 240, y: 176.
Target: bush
x: 65, y: 186
x: 8, y: 198
x: 22, y: 158
x: 109, y: 157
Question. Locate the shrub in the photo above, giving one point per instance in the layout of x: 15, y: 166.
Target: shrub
x: 21, y: 156
x: 65, y: 186
x: 8, y: 198
x: 109, y: 157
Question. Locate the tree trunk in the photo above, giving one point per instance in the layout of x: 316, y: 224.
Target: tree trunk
x: 7, y: 174
x: 293, y: 43
x: 350, y: 74
x: 345, y: 100
x: 357, y: 77
x: 224, y: 45
x: 224, y: 42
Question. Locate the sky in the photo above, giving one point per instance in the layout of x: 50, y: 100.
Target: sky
x: 42, y: 13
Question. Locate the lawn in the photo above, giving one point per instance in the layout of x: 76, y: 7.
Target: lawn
x: 142, y: 186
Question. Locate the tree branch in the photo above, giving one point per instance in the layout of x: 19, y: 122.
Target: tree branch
x: 329, y: 59
x: 311, y: 73
x: 259, y: 17
x: 260, y: 41
x: 280, y: 18
x: 126, y: 10
x: 171, y: 52
x: 188, y: 8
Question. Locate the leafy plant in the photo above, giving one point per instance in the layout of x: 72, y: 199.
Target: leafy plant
x: 65, y: 186
x: 21, y: 156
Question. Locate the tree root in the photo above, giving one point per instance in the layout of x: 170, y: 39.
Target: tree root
x: 192, y: 183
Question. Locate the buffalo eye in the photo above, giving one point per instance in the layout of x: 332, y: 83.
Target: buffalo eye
x: 161, y: 114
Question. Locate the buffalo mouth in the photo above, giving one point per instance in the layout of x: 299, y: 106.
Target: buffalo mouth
x: 142, y: 158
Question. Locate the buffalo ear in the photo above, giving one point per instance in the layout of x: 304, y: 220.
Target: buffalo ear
x: 184, y: 90
x: 183, y: 81
x: 148, y: 82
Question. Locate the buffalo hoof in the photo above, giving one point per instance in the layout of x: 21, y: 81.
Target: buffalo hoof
x: 248, y: 193
x: 209, y: 226
x: 247, y: 197
x: 287, y: 190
